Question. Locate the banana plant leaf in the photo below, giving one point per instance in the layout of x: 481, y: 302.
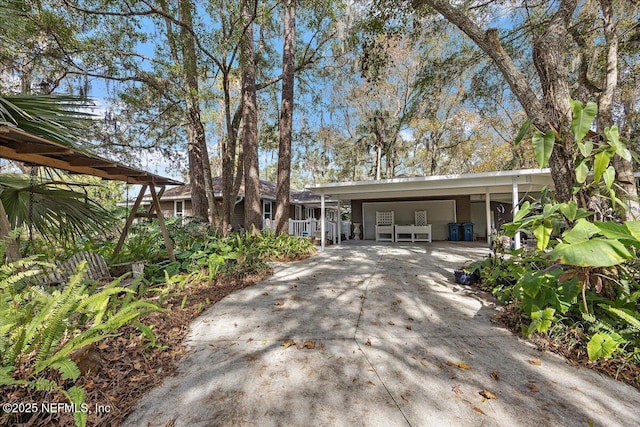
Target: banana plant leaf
x: 592, y: 253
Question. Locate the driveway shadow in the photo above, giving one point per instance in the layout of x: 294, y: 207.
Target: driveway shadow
x: 374, y: 335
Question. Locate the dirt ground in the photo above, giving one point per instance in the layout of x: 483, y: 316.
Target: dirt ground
x: 119, y: 370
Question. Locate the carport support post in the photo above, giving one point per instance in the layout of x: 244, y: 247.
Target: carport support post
x: 322, y: 224
x: 516, y: 208
x: 487, y: 207
x: 339, y: 227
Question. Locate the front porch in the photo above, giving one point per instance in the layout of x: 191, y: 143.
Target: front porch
x: 335, y: 231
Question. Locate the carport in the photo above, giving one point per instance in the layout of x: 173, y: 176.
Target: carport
x: 445, y: 197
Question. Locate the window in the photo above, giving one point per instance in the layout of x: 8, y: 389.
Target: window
x: 178, y: 208
x: 298, y: 212
x: 267, y: 209
x: 310, y: 213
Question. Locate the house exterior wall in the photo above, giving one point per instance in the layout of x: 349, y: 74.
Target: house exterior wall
x: 237, y: 217
x: 479, y: 219
x: 167, y: 208
x: 188, y: 210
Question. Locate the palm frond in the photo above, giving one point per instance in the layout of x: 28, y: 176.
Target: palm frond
x: 56, y: 213
x: 59, y: 118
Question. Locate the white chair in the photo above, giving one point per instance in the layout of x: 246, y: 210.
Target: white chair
x: 384, y: 226
x: 421, y: 230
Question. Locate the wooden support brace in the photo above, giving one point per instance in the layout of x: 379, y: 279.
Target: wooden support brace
x: 161, y: 223
x: 129, y: 221
x: 150, y: 213
x: 145, y: 215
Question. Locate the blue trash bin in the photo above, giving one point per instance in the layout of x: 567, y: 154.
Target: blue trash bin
x: 467, y: 232
x: 454, y: 231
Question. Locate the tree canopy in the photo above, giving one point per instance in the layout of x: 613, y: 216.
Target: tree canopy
x: 382, y: 88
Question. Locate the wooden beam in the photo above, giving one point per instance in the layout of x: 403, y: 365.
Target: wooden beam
x: 129, y: 221
x: 115, y: 169
x: 26, y: 148
x: 152, y: 207
x: 161, y: 223
x: 90, y: 162
x: 145, y: 215
x: 16, y: 144
x: 42, y: 160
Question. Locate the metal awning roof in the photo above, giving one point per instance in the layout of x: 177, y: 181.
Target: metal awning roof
x: 527, y: 180
x: 16, y: 144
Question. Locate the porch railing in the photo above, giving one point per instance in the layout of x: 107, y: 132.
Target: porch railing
x: 309, y: 228
x: 268, y: 224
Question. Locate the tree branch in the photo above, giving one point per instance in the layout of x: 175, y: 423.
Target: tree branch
x: 489, y: 42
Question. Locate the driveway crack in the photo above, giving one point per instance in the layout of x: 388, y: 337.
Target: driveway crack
x: 363, y: 298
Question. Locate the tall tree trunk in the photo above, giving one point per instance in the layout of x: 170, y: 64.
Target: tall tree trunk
x: 624, y: 169
x: 553, y: 110
x: 548, y: 58
x: 391, y: 161
x: 199, y: 167
x: 378, y: 162
x: 228, y: 158
x: 252, y: 208
x: 12, y: 251
x: 283, y: 189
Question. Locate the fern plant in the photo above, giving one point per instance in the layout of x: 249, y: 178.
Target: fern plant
x: 40, y: 329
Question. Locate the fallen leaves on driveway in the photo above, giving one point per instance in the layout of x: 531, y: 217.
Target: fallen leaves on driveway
x: 475, y: 408
x: 308, y: 344
x: 460, y: 365
x: 487, y: 394
x: 288, y: 343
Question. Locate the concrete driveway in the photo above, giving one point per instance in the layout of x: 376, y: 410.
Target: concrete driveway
x: 374, y: 335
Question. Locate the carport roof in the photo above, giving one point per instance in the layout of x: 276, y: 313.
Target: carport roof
x: 527, y: 180
x: 16, y: 144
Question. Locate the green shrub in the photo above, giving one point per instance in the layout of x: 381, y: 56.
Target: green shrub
x: 583, y: 271
x: 40, y: 328
x: 238, y: 254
